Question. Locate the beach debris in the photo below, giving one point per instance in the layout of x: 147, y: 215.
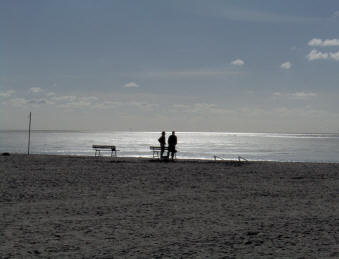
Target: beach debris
x: 218, y: 157
x: 242, y: 158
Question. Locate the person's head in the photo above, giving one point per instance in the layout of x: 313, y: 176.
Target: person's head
x: 163, y: 133
x: 173, y: 132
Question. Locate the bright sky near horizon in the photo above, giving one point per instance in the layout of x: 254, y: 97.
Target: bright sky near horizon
x: 194, y: 65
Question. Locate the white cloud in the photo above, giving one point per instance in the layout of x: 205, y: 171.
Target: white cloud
x: 286, y: 65
x: 323, y: 43
x: 50, y: 94
x: 74, y: 101
x: 256, y: 16
x: 315, y: 42
x: 76, y: 104
x: 7, y: 93
x: 39, y: 101
x: 131, y: 85
x: 18, y: 101
x: 35, y: 90
x: 192, y: 73
x: 108, y: 104
x: 303, y: 95
x: 204, y: 109
x: 334, y: 56
x: 295, y: 96
x: 89, y: 98
x: 238, y: 62
x: 331, y: 43
x: 66, y: 98
x: 314, y: 55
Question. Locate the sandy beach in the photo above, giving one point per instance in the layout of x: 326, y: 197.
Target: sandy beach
x: 84, y: 207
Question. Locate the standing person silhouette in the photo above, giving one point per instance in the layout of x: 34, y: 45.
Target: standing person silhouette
x: 172, y: 141
x: 162, y: 141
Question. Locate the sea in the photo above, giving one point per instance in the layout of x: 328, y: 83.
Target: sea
x: 191, y: 145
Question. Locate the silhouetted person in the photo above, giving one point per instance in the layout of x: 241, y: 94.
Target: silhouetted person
x: 172, y: 141
x: 162, y: 141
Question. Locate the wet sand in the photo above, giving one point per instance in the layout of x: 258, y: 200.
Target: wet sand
x: 63, y: 206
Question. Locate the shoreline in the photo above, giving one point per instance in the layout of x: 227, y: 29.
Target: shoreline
x: 179, y: 160
x: 81, y: 206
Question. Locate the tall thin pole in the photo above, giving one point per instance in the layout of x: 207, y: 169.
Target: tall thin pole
x: 29, y: 132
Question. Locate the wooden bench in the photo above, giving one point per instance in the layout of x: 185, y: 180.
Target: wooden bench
x: 99, y: 148
x: 157, y: 150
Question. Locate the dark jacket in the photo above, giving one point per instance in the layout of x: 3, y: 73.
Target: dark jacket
x: 162, y: 141
x: 172, y: 141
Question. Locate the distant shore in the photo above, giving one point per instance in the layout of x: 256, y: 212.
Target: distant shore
x: 81, y: 206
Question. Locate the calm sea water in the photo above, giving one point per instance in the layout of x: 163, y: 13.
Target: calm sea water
x: 200, y: 145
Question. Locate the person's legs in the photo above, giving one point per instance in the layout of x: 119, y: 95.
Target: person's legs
x: 172, y: 151
x: 162, y: 152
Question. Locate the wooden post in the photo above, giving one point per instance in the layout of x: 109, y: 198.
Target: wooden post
x: 29, y: 133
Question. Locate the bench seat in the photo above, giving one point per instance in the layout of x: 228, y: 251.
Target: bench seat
x: 157, y: 150
x: 99, y: 148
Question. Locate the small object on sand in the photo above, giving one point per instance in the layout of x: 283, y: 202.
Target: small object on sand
x: 215, y: 158
x: 5, y: 154
x: 242, y: 158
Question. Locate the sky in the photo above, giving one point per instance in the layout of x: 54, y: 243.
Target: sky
x: 150, y: 65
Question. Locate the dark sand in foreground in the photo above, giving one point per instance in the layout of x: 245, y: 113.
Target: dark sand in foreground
x: 60, y: 206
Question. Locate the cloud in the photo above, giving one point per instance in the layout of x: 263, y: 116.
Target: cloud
x: 295, y: 96
x: 334, y: 56
x: 192, y: 73
x: 108, y: 104
x: 67, y: 98
x: 201, y: 109
x: 89, y: 98
x: 18, y: 102
x: 75, y: 101
x: 286, y: 65
x: 68, y: 101
x: 315, y: 42
x: 35, y: 90
x: 315, y: 55
x: 251, y: 15
x: 323, y: 43
x: 131, y: 85
x: 7, y: 93
x: 303, y: 95
x: 39, y: 101
x: 76, y: 104
x: 238, y: 62
x: 50, y: 94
